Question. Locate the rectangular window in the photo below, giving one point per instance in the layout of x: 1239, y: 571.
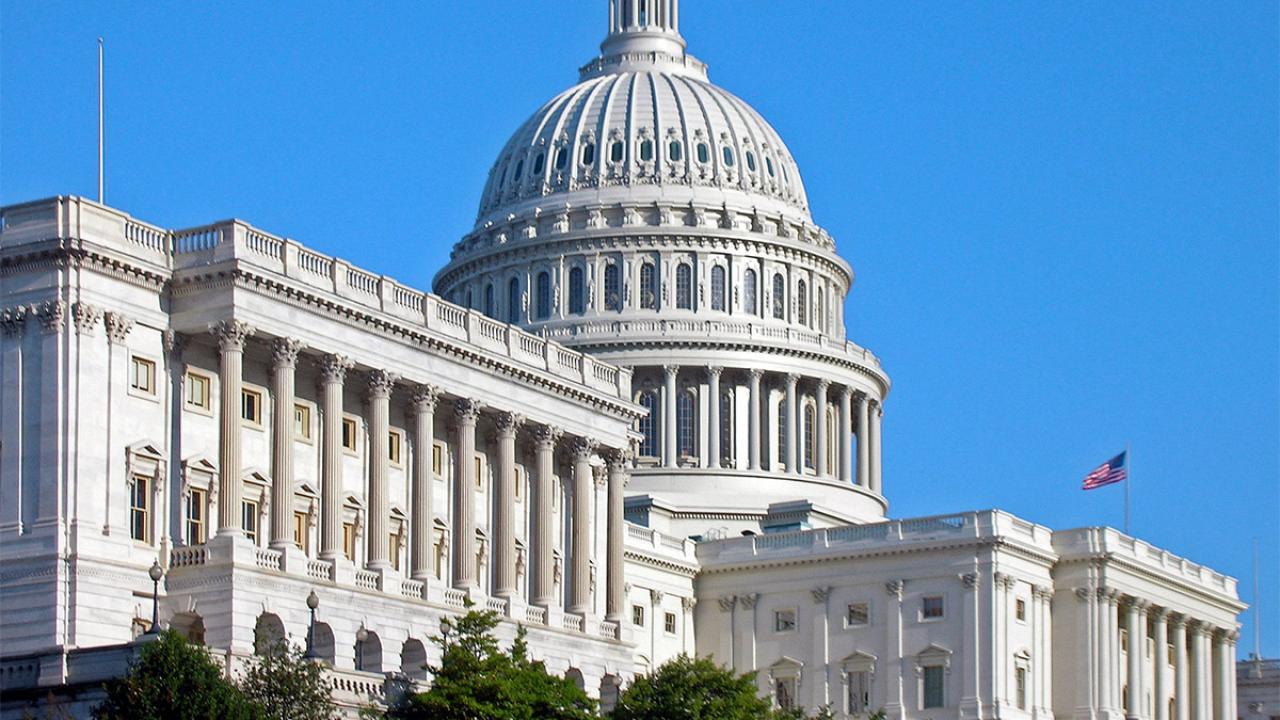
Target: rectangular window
x: 933, y: 694
x: 349, y: 541
x: 251, y: 406
x: 249, y: 519
x: 393, y: 550
x: 142, y: 375
x: 931, y: 607
x: 349, y: 434
x: 301, y: 422
x: 637, y: 615
x: 393, y: 447
x: 140, y: 508
x: 519, y: 482
x: 437, y: 460
x: 478, y: 468
x: 784, y: 620
x: 1020, y: 687
x: 1020, y: 610
x: 198, y: 391
x: 1124, y: 640
x: 197, y: 506
x: 784, y: 692
x: 300, y: 530
x: 669, y: 623
x: 857, y: 615
x: 859, y: 692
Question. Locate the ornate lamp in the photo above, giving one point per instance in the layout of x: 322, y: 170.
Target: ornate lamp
x: 313, y: 602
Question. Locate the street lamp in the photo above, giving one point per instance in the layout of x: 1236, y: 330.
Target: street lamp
x: 155, y: 573
x: 313, y: 602
x: 361, y: 636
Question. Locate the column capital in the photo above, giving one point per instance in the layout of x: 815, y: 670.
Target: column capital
x: 1159, y: 614
x: 173, y: 342
x: 688, y: 603
x: 582, y: 448
x: 823, y: 385
x: 118, y: 327
x: 727, y: 602
x: 670, y: 370
x: 424, y: 398
x: 846, y: 391
x: 467, y: 409
x: 894, y: 588
x: 820, y: 594
x: 714, y: 371
x: 53, y: 315
x: 749, y: 600
x: 85, y: 316
x: 755, y: 374
x: 284, y: 353
x: 231, y: 334
x: 508, y: 423
x: 616, y: 458
x: 13, y: 320
x: 1177, y: 621
x: 333, y: 368
x: 793, y: 378
x: 969, y: 580
x: 1226, y: 636
x: 381, y: 382
x: 1084, y: 594
x: 546, y: 436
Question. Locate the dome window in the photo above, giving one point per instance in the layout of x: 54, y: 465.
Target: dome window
x: 751, y: 161
x: 577, y: 292
x: 612, y: 287
x: 540, y: 163
x: 616, y: 151
x: 768, y: 165
x: 802, y: 303
x: 717, y: 288
x: 727, y: 153
x: 704, y: 153
x: 749, y: 291
x: 648, y: 298
x: 684, y: 287
x: 779, y: 297
x: 649, y: 424
x: 513, y: 300
x: 544, y: 295
x: 488, y: 300
x: 502, y: 177
x: 646, y: 150
x: 562, y: 158
x: 515, y: 176
x: 589, y: 153
x: 674, y: 151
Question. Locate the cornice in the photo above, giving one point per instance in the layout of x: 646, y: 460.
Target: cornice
x: 688, y: 570
x: 816, y: 558
x: 1103, y: 559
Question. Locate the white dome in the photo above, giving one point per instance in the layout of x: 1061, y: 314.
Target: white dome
x: 645, y: 120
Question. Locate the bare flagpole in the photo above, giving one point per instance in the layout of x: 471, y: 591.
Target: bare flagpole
x: 1128, y: 480
x: 101, y: 194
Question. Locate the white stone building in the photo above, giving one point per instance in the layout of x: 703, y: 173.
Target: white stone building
x: 635, y: 426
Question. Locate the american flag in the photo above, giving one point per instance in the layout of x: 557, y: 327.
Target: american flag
x: 1109, y: 472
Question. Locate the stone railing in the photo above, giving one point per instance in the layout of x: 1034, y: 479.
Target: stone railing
x: 648, y: 540
x: 187, y: 556
x: 366, y: 579
x: 455, y: 598
x: 268, y: 558
x: 320, y: 569
x: 535, y: 615
x: 1115, y: 545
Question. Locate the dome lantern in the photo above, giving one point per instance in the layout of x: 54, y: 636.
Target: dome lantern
x: 643, y: 26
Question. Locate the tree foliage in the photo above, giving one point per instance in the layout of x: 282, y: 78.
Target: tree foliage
x: 172, y: 679
x: 477, y: 680
x: 287, y: 686
x: 686, y: 688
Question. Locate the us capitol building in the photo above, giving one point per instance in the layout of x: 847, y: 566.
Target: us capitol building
x: 628, y: 419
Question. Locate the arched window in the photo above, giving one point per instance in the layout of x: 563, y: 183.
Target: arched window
x: 519, y: 173
x: 704, y: 153
x: 612, y: 287
x: 513, y: 300
x: 648, y: 294
x: 717, y: 288
x: 649, y: 424
x: 539, y: 163
x: 751, y: 161
x: 616, y: 151
x: 820, y: 313
x: 727, y: 153
x: 471, y: 299
x: 802, y: 303
x: 808, y: 435
x: 779, y: 296
x: 684, y: 286
x: 783, y: 431
x: 646, y: 150
x: 488, y: 300
x: 543, y: 309
x: 749, y: 291
x: 577, y: 292
x: 768, y: 165
x: 675, y: 151
x: 588, y: 153
x: 726, y: 428
x: 685, y: 429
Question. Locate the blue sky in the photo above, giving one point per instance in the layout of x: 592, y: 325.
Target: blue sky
x: 1063, y: 216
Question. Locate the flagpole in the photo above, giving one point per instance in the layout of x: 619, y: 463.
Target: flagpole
x: 100, y: 113
x: 1128, y: 478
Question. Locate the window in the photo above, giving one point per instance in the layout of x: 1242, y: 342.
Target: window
x: 515, y: 176
x: 477, y: 467
x: 669, y: 623
x: 612, y: 287
x: 727, y: 153
x: 301, y: 422
x: 540, y: 163
x: 393, y: 550
x: 784, y: 620
x: 562, y: 158
x: 820, y: 311
x: 648, y: 298
x: 779, y: 297
x: 685, y: 423
x: 437, y: 460
x: 198, y: 391
x: 1020, y: 687
x: 783, y: 432
x: 684, y: 286
x: 395, y: 441
x: 140, y: 508
x: 646, y: 150
x: 544, y: 295
x: 933, y: 696
x: 588, y: 153
x: 674, y: 151
x: 857, y: 615
x: 768, y: 165
x: 649, y: 424
x: 251, y: 406
x: 249, y: 519
x: 931, y: 607
x: 349, y: 430
x: 751, y: 161
x: 577, y: 292
x: 513, y: 300
x: 617, y: 151
x: 349, y: 541
x: 142, y: 375
x: 726, y: 428
x: 1020, y: 610
x: 858, y: 697
x: 637, y: 615
x: 488, y: 300
x: 784, y: 692
x: 802, y: 303
x: 1124, y: 640
x: 749, y: 291
x: 808, y: 435
x: 704, y: 153
x: 717, y: 288
x: 300, y: 530
x: 197, y: 516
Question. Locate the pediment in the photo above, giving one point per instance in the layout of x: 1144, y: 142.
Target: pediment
x: 859, y: 661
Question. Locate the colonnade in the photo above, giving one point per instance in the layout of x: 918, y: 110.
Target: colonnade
x: 424, y: 401
x: 858, y: 414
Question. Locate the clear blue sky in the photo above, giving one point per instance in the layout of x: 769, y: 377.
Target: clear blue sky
x: 1063, y: 216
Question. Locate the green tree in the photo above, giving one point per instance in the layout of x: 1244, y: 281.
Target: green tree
x: 172, y: 679
x: 476, y: 680
x: 288, y: 686
x: 688, y: 688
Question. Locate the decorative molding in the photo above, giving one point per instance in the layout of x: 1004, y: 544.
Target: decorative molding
x: 749, y: 600
x: 118, y: 327
x: 332, y: 368
x: 727, y: 602
x: 424, y: 398
x: 284, y: 353
x: 508, y: 423
x: 467, y: 410
x: 894, y: 588
x: 583, y: 448
x: 86, y: 316
x: 969, y: 580
x: 380, y: 383
x: 13, y: 320
x: 53, y: 315
x: 231, y: 334
x: 546, y: 436
x: 820, y: 594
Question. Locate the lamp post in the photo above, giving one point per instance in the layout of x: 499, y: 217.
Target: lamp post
x: 155, y: 573
x: 361, y: 636
x: 313, y: 602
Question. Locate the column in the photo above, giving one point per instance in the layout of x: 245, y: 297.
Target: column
x: 1107, y: 657
x: 284, y: 360
x: 893, y: 648
x: 971, y: 628
x: 1136, y: 625
x: 820, y: 427
x: 669, y: 415
x: 467, y: 412
x: 615, y: 579
x: 1159, y: 663
x: 542, y: 585
x: 333, y: 372
x: 864, y: 441
x: 422, y: 527
x: 713, y: 415
x: 1087, y: 700
x: 1225, y: 671
x: 504, y: 530
x: 877, y: 478
x: 753, y: 418
x: 1200, y: 687
x: 580, y: 537
x: 844, y: 433
x: 793, y: 458
x: 231, y: 336
x: 381, y: 383
x: 1043, y: 601
x: 1181, y: 682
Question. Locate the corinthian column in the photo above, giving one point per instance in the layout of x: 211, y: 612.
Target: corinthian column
x: 753, y: 418
x: 793, y: 415
x: 1201, y: 685
x: 380, y: 384
x: 1160, y: 638
x: 333, y: 372
x: 1181, y: 684
x: 844, y: 433
x: 580, y: 544
x: 877, y: 476
x: 864, y: 440
x: 504, y: 531
x: 669, y: 451
x: 713, y: 415
x: 1225, y: 676
x: 284, y: 359
x: 231, y: 336
x: 1136, y: 626
x: 423, y: 560
x: 464, y: 496
x: 543, y: 551
x: 615, y: 580
x: 820, y: 428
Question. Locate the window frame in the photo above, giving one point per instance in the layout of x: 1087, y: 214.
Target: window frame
x: 927, y: 614
x: 577, y: 290
x: 669, y: 623
x: 718, y: 288
x: 251, y: 510
x: 206, y: 406
x: 353, y: 422
x: 137, y: 360
x: 684, y: 286
x: 778, y: 620
x: 141, y: 505
x: 648, y: 295
x: 259, y: 397
x: 308, y: 414
x: 395, y: 447
x: 779, y: 296
x: 849, y: 612
x: 197, y: 497
x: 637, y: 615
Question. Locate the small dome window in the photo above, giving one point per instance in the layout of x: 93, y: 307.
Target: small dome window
x: 751, y: 161
x: 768, y: 165
x: 519, y: 173
x: 616, y: 151
x: 704, y: 153
x: 562, y: 158
x: 589, y: 153
x: 646, y: 150
x: 674, y: 151
x: 540, y: 162
x: 727, y: 153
